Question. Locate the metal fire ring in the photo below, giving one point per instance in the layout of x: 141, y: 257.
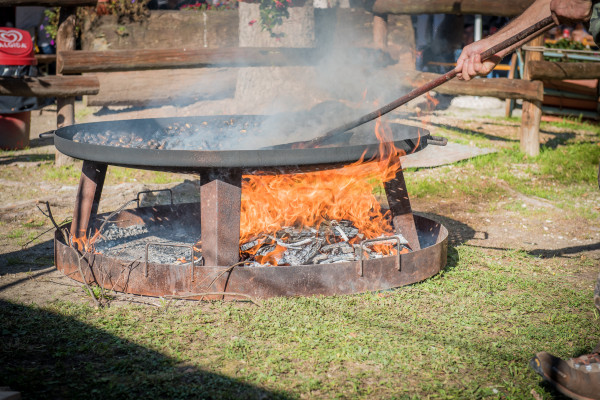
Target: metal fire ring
x: 260, y: 282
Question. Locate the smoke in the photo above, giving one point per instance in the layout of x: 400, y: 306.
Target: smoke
x: 346, y: 80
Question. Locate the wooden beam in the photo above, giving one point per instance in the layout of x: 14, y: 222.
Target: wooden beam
x: 505, y: 8
x: 48, y: 3
x: 168, y: 86
x: 502, y: 88
x: 45, y: 58
x: 542, y: 70
x: 49, y: 86
x: 73, y: 62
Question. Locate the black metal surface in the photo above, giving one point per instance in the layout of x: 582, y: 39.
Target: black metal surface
x: 361, y: 143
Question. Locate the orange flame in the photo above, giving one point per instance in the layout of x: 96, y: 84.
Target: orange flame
x: 85, y: 244
x: 270, y: 203
x: 432, y: 102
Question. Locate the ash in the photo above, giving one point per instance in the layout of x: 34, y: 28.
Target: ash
x: 333, y: 242
x: 129, y: 243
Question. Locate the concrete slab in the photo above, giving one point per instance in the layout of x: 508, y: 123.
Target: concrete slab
x: 435, y: 156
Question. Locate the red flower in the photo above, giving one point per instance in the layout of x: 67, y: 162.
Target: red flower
x: 252, y: 22
x: 278, y: 4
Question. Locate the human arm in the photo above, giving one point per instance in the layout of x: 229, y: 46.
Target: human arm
x: 469, y: 63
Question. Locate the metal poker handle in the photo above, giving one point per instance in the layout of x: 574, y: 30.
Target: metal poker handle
x: 536, y: 28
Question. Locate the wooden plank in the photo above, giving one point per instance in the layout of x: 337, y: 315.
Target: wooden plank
x: 49, y: 86
x: 47, y: 3
x: 585, y: 87
x: 73, y: 62
x: 566, y: 102
x: 502, y: 88
x: 142, y: 88
x: 45, y: 58
x: 562, y: 70
x: 506, y: 8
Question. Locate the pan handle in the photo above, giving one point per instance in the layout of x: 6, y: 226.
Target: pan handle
x: 437, y: 140
x: 47, y: 135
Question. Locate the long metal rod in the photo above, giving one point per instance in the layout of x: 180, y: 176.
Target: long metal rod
x: 536, y: 28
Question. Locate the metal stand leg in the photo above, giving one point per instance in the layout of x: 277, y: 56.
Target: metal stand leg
x: 403, y: 220
x: 220, y: 203
x: 88, y: 197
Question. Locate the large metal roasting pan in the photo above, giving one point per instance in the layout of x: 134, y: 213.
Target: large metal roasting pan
x: 342, y: 149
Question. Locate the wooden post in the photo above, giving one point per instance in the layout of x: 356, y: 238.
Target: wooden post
x: 510, y: 103
x: 380, y: 31
x: 532, y: 110
x: 65, y: 40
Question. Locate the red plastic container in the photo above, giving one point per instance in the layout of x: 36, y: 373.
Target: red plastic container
x: 16, y: 50
x: 14, y: 130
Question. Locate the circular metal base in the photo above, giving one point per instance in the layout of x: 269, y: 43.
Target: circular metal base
x: 195, y: 281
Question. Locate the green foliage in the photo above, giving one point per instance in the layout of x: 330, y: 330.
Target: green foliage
x: 566, y: 44
x: 272, y: 13
x: 51, y: 27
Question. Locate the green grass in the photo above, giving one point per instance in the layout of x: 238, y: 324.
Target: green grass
x: 557, y: 174
x: 466, y: 333
x: 16, y: 234
x: 575, y: 124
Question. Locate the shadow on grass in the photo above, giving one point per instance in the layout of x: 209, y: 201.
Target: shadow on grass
x: 48, y: 355
x: 39, y: 142
x: 33, y: 258
x: 551, y: 253
x: 458, y: 234
x: 559, y: 139
x: 24, y: 158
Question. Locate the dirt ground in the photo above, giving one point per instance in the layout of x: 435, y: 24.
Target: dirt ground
x: 27, y: 273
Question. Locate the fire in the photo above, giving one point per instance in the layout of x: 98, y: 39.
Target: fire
x: 85, y: 244
x: 432, y: 102
x: 271, y: 202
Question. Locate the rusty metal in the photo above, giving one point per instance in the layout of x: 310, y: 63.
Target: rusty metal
x: 221, y: 200
x: 402, y: 215
x: 137, y: 197
x: 88, y: 195
x: 264, y: 282
x: 380, y: 240
x: 156, y: 244
x: 217, y: 220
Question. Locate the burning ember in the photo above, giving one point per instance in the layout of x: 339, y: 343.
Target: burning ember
x: 302, y: 217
